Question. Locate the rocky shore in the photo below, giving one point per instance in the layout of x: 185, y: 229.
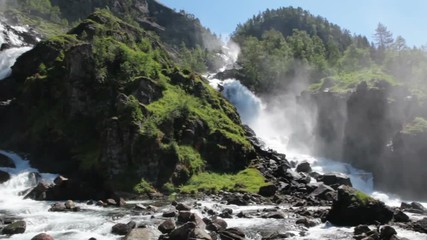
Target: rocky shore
x: 297, y: 199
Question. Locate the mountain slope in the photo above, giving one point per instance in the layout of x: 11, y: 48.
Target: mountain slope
x: 106, y: 103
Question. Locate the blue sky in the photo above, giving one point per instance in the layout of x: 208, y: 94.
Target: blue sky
x: 407, y: 18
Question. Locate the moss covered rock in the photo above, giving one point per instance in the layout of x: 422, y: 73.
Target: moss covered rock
x: 353, y: 207
x: 105, y: 103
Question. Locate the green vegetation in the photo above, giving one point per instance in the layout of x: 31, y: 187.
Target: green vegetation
x: 249, y: 180
x: 109, y: 97
x: 288, y: 46
x: 143, y: 187
x: 362, y: 198
x: 417, y: 126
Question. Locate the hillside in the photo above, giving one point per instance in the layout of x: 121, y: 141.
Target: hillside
x: 105, y: 103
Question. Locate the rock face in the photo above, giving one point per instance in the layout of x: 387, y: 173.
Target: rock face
x: 4, y: 176
x: 368, y: 127
x: 42, y: 236
x: 353, y: 207
x: 115, y: 118
x: 15, y: 228
x: 6, y: 161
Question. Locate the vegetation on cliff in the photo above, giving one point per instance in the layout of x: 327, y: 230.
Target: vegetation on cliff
x: 106, y: 102
x: 289, y: 46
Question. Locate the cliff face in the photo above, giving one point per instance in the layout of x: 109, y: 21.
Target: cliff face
x: 174, y: 28
x: 105, y: 103
x: 366, y: 128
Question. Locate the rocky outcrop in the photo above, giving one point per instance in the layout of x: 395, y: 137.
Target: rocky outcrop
x: 118, y: 113
x: 4, y: 176
x: 353, y: 207
x: 6, y: 161
x: 15, y: 228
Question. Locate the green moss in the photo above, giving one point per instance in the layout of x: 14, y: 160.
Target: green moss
x: 143, y: 187
x: 249, y: 180
x: 190, y: 158
x: 417, y: 126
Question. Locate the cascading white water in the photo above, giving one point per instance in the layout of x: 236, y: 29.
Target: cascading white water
x: 18, y: 47
x: 255, y: 114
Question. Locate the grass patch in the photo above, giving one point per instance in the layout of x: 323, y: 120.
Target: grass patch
x: 248, y: 180
x: 143, y: 187
x: 348, y: 81
x: 190, y: 158
x: 417, y: 126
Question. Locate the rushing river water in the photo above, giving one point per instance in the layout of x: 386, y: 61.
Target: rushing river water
x: 93, y: 221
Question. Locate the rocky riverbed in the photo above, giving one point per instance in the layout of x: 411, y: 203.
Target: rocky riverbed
x: 299, y: 204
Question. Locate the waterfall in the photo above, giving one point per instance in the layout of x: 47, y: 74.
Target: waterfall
x: 9, y: 36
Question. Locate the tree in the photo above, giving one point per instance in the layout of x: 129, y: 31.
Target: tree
x: 383, y: 37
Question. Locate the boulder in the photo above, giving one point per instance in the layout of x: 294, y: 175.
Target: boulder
x: 387, y: 232
x: 182, y: 207
x: 361, y: 229
x: 123, y: 229
x: 4, y: 176
x: 306, y: 222
x: 42, y: 236
x: 15, y: 228
x: 60, y: 180
x: 143, y: 234
x: 38, y: 192
x: 303, y: 167
x: 335, y: 179
x: 58, y: 207
x: 400, y: 216
x: 167, y: 226
x: 182, y: 232
x: 267, y: 191
x: 171, y: 213
x: 235, y: 199
x: 111, y: 202
x: 232, y: 234
x: 420, y: 225
x: 323, y: 192
x: 353, y: 207
x: 184, y: 216
x: 5, y: 161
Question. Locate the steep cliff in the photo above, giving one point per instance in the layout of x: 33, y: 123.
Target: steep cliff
x: 105, y: 103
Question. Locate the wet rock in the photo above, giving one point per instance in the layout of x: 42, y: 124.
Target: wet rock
x: 120, y: 202
x: 143, y: 234
x: 323, y: 192
x: 60, y: 180
x: 152, y: 208
x: 15, y: 228
x: 58, y: 207
x: 400, y: 216
x: 200, y: 234
x: 4, y: 176
x: 111, y: 202
x: 182, y: 232
x: 42, y: 236
x: 38, y: 192
x: 414, y: 207
x: 420, y: 225
x: 171, y: 213
x: 335, y: 179
x: 123, y: 229
x: 167, y: 226
x: 387, y: 232
x: 220, y: 224
x: 267, y: 191
x: 353, y: 207
x: 184, y: 216
x: 303, y: 167
x: 5, y: 161
x: 232, y: 234
x: 360, y: 229
x: 236, y: 200
x: 70, y: 204
x: 276, y: 215
x: 306, y: 222
x: 182, y: 207
x: 139, y: 207
x: 226, y: 213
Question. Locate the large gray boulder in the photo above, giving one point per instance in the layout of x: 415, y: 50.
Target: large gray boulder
x: 353, y: 207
